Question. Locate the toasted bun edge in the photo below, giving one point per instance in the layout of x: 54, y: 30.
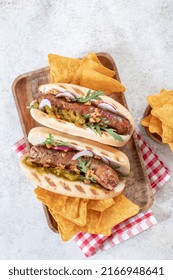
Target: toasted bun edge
x: 62, y: 186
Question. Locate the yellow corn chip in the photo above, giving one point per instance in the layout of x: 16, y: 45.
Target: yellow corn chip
x: 75, y: 210
x: 167, y: 135
x: 96, y: 81
x: 100, y: 205
x: 171, y: 145
x: 94, y: 57
x: 90, y: 64
x: 155, y: 125
x: 62, y: 69
x: 52, y: 200
x: 158, y: 100
x: 145, y: 121
x: 165, y: 114
x: 118, y: 212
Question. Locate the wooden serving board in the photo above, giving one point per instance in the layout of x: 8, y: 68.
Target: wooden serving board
x: 25, y: 87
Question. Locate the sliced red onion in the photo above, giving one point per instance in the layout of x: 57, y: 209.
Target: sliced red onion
x: 62, y: 148
x: 107, y: 107
x: 82, y: 154
x: 105, y: 160
x: 44, y: 102
x: 69, y: 94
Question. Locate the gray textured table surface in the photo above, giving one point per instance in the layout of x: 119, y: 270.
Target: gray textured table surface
x: 139, y: 36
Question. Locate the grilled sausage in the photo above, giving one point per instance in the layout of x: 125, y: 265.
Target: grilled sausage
x: 119, y: 123
x: 103, y: 173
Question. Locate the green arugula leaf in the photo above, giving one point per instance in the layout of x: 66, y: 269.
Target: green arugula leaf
x: 113, y: 133
x: 51, y: 141
x: 84, y: 165
x: 82, y: 178
x: 92, y: 179
x: 94, y: 95
x: 87, y: 116
x: 95, y: 127
x: 98, y: 130
x: 62, y: 143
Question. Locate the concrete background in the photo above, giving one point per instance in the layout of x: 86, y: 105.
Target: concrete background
x: 139, y: 36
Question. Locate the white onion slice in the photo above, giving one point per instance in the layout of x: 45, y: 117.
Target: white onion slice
x: 107, y: 107
x: 69, y: 94
x: 82, y: 154
x: 105, y: 160
x: 44, y: 102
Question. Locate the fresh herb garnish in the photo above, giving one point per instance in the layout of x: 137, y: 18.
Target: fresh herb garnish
x: 51, y: 141
x: 98, y: 129
x: 113, y: 133
x: 84, y: 165
x: 94, y: 95
x: 87, y: 116
x: 62, y: 143
x: 92, y: 179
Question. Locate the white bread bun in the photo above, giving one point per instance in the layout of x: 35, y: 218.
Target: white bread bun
x: 38, y: 135
x: 71, y: 128
x: 63, y: 186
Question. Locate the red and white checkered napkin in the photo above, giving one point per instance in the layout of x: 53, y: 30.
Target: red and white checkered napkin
x: 158, y: 174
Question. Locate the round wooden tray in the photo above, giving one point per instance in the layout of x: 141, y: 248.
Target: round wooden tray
x: 154, y: 136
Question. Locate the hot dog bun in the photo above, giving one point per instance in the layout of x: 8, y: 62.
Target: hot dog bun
x: 71, y: 128
x: 63, y: 186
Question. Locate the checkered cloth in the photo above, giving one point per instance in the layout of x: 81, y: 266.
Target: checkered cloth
x: 158, y: 174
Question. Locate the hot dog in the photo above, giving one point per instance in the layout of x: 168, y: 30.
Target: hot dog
x: 67, y: 165
x: 82, y: 112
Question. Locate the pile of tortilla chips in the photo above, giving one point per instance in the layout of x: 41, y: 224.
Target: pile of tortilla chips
x: 87, y: 72
x: 75, y: 215
x: 160, y: 120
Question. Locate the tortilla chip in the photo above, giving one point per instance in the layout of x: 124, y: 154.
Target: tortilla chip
x: 158, y: 100
x: 67, y: 235
x: 52, y: 200
x: 118, y: 212
x: 93, y: 220
x: 97, y: 81
x: 145, y: 121
x: 75, y: 210
x: 62, y: 69
x: 167, y: 135
x: 171, y: 145
x: 100, y: 205
x: 75, y: 215
x: 94, y: 57
x: 155, y: 125
x: 164, y: 113
x: 64, y: 223
x: 90, y: 64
